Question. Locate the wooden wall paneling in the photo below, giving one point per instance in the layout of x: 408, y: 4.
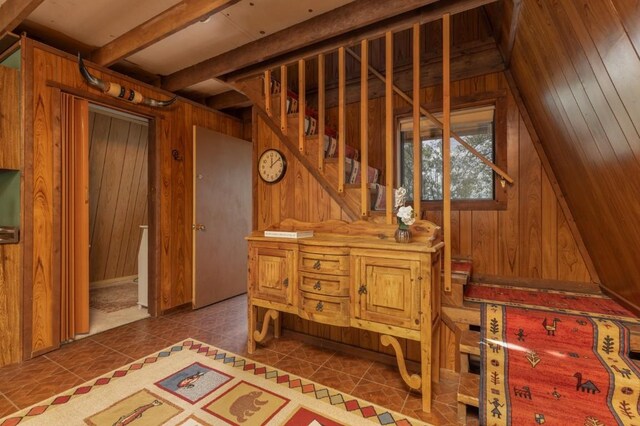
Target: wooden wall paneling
x: 466, y: 238
x: 99, y: 128
x: 116, y: 145
x: 166, y: 254
x: 136, y: 209
x: 584, y: 90
x: 45, y: 284
x: 10, y: 254
x: 508, y: 220
x: 485, y: 241
x: 531, y: 211
x: 571, y: 266
x: 549, y: 228
x: 118, y: 237
x: 181, y: 207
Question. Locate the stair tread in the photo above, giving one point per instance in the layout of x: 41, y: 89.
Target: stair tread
x: 469, y: 389
x: 470, y: 342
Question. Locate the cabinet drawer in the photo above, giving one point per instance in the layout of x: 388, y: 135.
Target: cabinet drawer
x: 332, y: 285
x: 317, y: 262
x: 324, y: 309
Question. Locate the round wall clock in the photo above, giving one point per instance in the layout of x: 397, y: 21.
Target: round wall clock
x: 272, y: 166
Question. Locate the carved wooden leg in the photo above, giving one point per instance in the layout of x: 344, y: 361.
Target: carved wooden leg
x: 277, y: 326
x: 412, y: 380
x: 435, y: 364
x: 259, y: 336
x: 426, y: 355
x: 251, y: 343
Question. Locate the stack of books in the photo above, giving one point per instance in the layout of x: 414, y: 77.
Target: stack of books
x: 288, y: 234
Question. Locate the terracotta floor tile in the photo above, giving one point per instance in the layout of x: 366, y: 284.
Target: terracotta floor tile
x: 376, y: 393
x: 335, y: 379
x: 46, y: 388
x: 386, y: 375
x: 284, y: 345
x: 265, y: 356
x: 313, y: 354
x: 100, y: 365
x: 297, y: 366
x: 79, y: 352
x: 28, y: 373
x: 348, y: 364
x: 6, y: 406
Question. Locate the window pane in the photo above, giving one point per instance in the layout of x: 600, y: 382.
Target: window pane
x: 471, y: 179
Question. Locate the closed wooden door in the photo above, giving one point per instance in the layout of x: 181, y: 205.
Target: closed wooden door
x: 222, y: 216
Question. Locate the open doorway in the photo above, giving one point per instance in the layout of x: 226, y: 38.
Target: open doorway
x: 118, y: 218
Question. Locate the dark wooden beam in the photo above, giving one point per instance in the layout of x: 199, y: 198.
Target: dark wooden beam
x: 13, y: 12
x: 157, y: 28
x: 230, y: 99
x: 422, y: 15
x: 336, y: 22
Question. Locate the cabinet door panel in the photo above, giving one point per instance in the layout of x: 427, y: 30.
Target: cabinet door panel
x: 274, y: 274
x: 388, y: 291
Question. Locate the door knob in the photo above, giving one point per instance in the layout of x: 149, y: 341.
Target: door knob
x: 198, y: 227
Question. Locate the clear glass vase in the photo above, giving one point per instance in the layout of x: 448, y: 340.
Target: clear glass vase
x: 402, y: 235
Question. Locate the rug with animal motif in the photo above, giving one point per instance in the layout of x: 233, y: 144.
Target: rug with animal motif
x: 544, y: 367
x: 191, y: 383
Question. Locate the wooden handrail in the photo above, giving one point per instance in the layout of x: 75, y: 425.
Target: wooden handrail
x: 504, y: 175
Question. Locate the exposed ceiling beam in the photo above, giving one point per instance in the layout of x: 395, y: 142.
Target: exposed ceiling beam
x: 13, y: 12
x: 230, y: 99
x: 322, y: 27
x: 422, y: 15
x: 157, y: 28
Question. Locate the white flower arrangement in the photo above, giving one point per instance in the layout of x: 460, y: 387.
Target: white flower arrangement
x: 406, y: 215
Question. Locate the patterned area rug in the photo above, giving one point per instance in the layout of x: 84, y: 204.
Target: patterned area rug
x: 597, y: 305
x: 545, y: 367
x: 194, y: 384
x: 114, y: 298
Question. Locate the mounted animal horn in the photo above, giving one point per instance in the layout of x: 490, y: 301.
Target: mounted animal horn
x: 118, y: 91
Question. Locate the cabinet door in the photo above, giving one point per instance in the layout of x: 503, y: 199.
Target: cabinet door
x: 387, y: 291
x: 273, y: 275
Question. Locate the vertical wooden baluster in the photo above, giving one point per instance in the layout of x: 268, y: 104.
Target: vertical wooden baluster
x: 321, y: 116
x: 301, y: 104
x: 389, y: 124
x: 267, y: 92
x: 364, y: 127
x: 417, y: 144
x: 446, y: 148
x: 341, y: 118
x: 283, y: 99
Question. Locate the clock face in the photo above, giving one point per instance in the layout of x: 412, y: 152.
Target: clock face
x: 272, y: 165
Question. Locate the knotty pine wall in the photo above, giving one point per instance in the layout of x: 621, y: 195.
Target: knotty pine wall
x: 577, y: 68
x: 118, y: 151
x: 47, y: 73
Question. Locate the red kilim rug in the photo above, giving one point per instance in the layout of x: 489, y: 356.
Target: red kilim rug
x: 595, y: 305
x: 545, y: 367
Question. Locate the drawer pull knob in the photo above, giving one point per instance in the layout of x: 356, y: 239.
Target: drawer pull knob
x: 319, y: 307
x: 362, y: 289
x: 316, y: 265
x: 317, y: 286
x: 285, y: 282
